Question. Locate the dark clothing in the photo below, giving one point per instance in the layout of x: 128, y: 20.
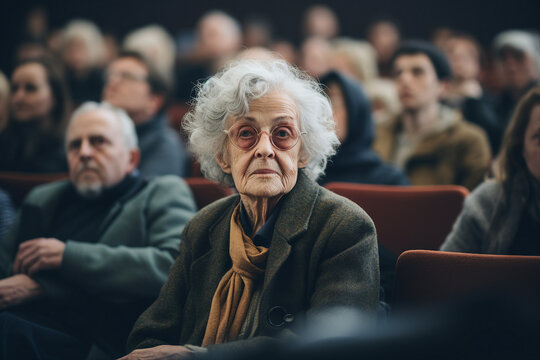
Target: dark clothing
x: 355, y: 161
x: 25, y: 148
x: 263, y: 237
x: 480, y: 111
x: 323, y: 253
x: 527, y: 240
x: 7, y: 213
x: 506, y: 102
x: 162, y: 149
x: 113, y: 265
x: 90, y: 212
x: 86, y: 88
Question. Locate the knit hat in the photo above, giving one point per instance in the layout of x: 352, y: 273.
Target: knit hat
x: 523, y: 41
x: 436, y: 56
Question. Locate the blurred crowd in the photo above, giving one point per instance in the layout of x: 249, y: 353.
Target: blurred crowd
x: 439, y: 111
x: 152, y: 74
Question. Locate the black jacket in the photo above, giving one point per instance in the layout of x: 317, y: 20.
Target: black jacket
x: 355, y: 161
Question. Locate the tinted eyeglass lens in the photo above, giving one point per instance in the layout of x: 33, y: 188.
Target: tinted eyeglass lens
x: 245, y: 137
x: 283, y: 137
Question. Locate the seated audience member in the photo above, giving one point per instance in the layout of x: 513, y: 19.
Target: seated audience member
x: 6, y: 213
x: 133, y: 84
x: 320, y: 21
x: 251, y: 265
x: 465, y: 91
x: 32, y: 139
x: 157, y: 46
x: 355, y: 161
x: 384, y: 36
x: 86, y: 256
x: 5, y: 95
x: 316, y: 56
x: 83, y: 51
x: 502, y: 216
x: 429, y: 141
x: 517, y: 55
x: 218, y: 39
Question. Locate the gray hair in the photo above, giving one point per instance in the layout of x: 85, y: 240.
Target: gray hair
x: 157, y: 45
x: 230, y: 92
x: 90, y: 34
x: 130, y: 136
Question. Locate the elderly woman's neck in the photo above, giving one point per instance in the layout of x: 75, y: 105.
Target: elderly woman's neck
x: 259, y: 209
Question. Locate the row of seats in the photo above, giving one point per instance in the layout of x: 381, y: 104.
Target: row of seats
x: 411, y: 221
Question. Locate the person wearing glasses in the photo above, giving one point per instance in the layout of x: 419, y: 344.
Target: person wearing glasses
x: 254, y: 264
x: 134, y: 85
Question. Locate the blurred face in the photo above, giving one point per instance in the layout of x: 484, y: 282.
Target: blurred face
x: 416, y: 81
x: 463, y: 58
x: 127, y: 87
x: 316, y: 54
x: 31, y: 97
x: 339, y: 109
x: 75, y: 55
x: 218, y: 37
x: 516, y: 68
x: 531, y: 144
x: 97, y: 154
x: 384, y: 37
x: 265, y: 170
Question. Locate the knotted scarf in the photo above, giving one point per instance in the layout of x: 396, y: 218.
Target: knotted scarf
x: 232, y: 298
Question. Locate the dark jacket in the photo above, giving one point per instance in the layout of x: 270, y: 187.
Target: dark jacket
x: 355, y: 161
x: 323, y: 253
x: 24, y: 147
x: 162, y: 149
x: 102, y: 286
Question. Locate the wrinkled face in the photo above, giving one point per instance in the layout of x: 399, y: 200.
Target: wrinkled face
x: 339, y: 109
x: 32, y: 97
x: 97, y: 154
x: 264, y: 170
x: 127, y: 87
x: 531, y: 144
x: 416, y: 81
x: 516, y: 68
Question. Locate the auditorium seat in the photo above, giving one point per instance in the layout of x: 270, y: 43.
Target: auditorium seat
x: 206, y: 191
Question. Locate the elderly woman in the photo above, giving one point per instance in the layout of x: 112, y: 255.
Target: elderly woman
x: 252, y: 264
x: 503, y: 216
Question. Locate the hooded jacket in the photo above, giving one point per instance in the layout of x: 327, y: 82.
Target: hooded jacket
x: 355, y: 161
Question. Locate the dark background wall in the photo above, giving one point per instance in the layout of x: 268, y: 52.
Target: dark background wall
x: 417, y: 18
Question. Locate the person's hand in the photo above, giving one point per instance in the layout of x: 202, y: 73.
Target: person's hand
x: 38, y: 254
x: 18, y: 289
x: 162, y: 352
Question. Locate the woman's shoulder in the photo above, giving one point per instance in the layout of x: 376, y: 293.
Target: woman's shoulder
x: 215, y: 210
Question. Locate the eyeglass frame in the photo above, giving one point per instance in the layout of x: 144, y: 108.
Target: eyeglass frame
x: 259, y: 132
x: 125, y: 76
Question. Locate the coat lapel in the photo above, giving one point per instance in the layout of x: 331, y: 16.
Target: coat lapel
x: 292, y: 222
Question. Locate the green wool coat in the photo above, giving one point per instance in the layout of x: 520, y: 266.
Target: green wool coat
x: 323, y: 253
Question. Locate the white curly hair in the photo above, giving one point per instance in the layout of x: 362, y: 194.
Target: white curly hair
x: 230, y: 92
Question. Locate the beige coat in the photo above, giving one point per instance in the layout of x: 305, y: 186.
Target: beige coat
x: 458, y: 154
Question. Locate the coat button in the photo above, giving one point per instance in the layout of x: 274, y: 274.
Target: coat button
x: 276, y: 316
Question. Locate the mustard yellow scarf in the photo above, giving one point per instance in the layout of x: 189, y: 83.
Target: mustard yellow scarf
x: 232, y: 298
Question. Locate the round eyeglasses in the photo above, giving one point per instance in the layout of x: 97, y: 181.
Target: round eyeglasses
x: 245, y: 136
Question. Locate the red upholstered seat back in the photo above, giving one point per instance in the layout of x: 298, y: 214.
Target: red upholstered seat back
x: 424, y: 277
x: 407, y: 217
x: 18, y: 185
x: 206, y: 191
